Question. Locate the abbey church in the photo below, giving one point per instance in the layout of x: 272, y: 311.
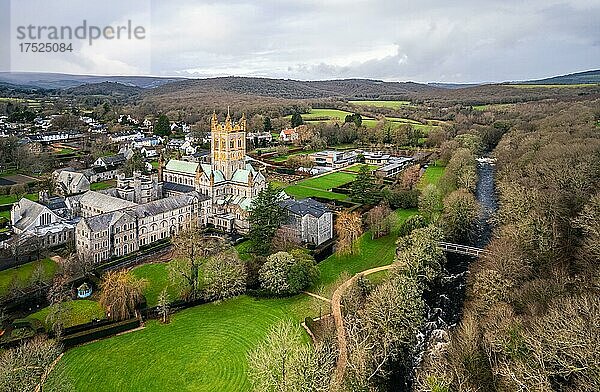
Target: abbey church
x: 229, y: 181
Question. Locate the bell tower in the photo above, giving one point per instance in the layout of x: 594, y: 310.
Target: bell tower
x: 228, y: 144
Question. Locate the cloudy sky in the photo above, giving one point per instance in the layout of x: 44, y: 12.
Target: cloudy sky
x: 426, y: 40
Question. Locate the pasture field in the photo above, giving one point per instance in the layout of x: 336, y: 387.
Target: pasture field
x: 79, y: 311
x: 382, y: 104
x: 21, y: 275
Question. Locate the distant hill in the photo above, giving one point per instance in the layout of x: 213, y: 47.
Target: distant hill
x: 63, y: 81
x: 296, y: 89
x: 574, y: 78
x: 113, y: 89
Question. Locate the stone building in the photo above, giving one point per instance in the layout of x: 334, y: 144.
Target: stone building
x: 310, y: 221
x: 230, y: 182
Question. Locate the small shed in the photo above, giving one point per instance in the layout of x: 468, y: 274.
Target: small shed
x: 84, y: 291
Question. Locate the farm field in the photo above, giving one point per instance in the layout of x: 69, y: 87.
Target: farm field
x: 79, y: 311
x: 21, y: 275
x: 382, y: 104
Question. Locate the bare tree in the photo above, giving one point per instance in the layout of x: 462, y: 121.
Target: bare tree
x: 120, y: 293
x: 348, y: 227
x: 163, y: 306
x: 379, y: 221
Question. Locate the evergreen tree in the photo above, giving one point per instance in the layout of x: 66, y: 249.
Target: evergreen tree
x: 267, y: 126
x: 265, y: 218
x: 362, y: 189
x: 297, y: 120
x: 162, y: 126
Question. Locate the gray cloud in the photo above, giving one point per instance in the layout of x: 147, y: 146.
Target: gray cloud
x: 428, y: 40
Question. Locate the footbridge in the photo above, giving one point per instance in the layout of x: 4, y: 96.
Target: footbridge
x: 462, y: 249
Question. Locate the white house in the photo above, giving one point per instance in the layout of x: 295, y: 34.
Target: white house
x: 311, y: 221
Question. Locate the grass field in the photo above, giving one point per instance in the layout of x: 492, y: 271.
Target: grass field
x: 432, y: 175
x: 357, y: 166
x: 5, y: 214
x: 157, y: 276
x: 382, y: 104
x: 22, y: 274
x: 301, y: 192
x: 372, y: 253
x: 284, y: 157
x: 202, y: 349
x: 80, y: 311
x: 10, y: 199
x: 320, y: 186
x: 98, y: 186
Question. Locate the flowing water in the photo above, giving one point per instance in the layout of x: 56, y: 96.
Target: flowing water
x: 445, y: 299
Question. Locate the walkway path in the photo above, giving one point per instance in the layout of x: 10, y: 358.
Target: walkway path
x: 317, y: 296
x: 336, y: 309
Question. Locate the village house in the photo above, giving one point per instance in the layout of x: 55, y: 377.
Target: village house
x: 288, y: 135
x: 311, y: 222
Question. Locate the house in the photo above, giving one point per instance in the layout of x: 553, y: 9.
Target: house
x: 259, y: 138
x: 149, y: 152
x: 110, y: 161
x: 69, y: 182
x: 175, y: 144
x: 288, y: 135
x: 152, y: 141
x: 310, y: 221
x: 125, y: 136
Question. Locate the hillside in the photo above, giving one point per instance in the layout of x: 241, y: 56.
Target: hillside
x: 574, y: 78
x: 114, y: 89
x: 64, y: 81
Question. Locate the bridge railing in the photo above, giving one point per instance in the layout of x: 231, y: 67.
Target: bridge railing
x: 461, y: 249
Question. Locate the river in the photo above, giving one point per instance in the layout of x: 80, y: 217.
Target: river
x: 445, y: 299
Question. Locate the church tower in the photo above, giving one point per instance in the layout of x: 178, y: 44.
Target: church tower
x: 228, y: 145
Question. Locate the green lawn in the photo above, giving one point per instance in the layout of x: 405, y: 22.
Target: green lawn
x: 301, y: 192
x: 202, y: 349
x: 23, y: 273
x: 10, y: 199
x: 284, y: 157
x: 80, y: 311
x: 319, y: 186
x: 5, y: 214
x: 98, y: 186
x: 372, y: 253
x: 157, y: 276
x: 328, y: 181
x: 382, y: 104
x: 432, y: 175
x: 357, y: 166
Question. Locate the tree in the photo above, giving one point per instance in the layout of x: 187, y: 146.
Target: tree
x: 120, y: 293
x: 267, y: 127
x: 25, y: 367
x: 354, y: 118
x: 296, y: 120
x: 284, y: 363
x: 460, y: 216
x: 379, y: 220
x: 288, y: 273
x: 348, y: 228
x: 420, y: 256
x: 411, y: 177
x: 285, y: 239
x: 192, y: 248
x: 430, y: 203
x: 224, y: 276
x: 461, y: 172
x: 135, y: 163
x: 362, y: 190
x: 265, y: 217
x: 162, y: 127
x: 163, y: 307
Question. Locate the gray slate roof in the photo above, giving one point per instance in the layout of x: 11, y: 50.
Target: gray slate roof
x: 304, y: 207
